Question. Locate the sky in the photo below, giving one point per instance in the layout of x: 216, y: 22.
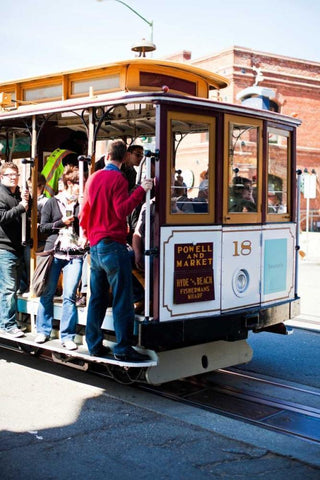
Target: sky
x: 38, y: 37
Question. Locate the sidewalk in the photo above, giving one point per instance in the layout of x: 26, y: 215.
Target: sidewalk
x: 309, y: 283
x: 310, y: 246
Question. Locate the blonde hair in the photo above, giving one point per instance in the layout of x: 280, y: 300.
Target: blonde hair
x: 7, y: 165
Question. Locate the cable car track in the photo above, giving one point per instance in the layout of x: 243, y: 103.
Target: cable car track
x: 252, y: 399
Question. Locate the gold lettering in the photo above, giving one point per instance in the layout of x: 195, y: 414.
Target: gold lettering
x: 194, y: 296
x: 204, y: 280
x: 183, y: 282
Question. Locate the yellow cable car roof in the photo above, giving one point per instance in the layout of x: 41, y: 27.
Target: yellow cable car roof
x: 139, y: 74
x: 214, y: 80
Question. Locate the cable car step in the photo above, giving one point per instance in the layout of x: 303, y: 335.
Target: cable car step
x: 82, y: 352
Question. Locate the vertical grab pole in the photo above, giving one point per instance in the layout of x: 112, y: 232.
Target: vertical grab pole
x: 88, y: 159
x: 91, y: 138
x: 34, y: 212
x: 24, y: 215
x: 147, y: 258
x: 24, y: 162
x: 299, y: 173
x: 82, y: 160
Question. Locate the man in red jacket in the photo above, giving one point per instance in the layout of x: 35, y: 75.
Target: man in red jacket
x: 103, y: 218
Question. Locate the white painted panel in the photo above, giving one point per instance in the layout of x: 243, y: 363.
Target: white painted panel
x: 278, y: 263
x: 181, y: 236
x: 241, y: 254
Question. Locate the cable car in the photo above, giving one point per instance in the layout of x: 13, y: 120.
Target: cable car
x: 219, y: 261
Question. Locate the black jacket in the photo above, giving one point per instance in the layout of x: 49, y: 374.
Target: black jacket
x: 10, y: 220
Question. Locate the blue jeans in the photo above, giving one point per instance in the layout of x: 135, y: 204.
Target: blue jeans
x: 69, y: 317
x: 10, y: 266
x: 110, y: 267
x: 24, y: 283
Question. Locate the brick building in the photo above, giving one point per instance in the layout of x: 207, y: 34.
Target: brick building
x: 296, y: 87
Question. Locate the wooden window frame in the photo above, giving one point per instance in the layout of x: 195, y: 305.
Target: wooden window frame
x: 192, y: 218
x: 239, y: 217
x: 279, y: 217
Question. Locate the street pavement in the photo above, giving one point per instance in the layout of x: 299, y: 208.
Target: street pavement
x: 60, y: 423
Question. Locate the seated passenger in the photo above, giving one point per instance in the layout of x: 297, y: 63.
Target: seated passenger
x: 183, y: 203
x: 274, y: 203
x: 200, y: 203
x: 203, y: 175
x: 175, y: 190
x: 241, y: 199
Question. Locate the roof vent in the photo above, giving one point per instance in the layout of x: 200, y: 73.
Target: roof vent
x: 143, y: 46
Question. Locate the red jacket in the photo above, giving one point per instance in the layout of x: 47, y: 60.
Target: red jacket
x: 106, y: 206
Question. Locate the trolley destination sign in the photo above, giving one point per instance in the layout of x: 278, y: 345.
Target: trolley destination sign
x: 193, y: 272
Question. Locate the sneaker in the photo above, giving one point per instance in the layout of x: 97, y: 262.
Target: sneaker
x: 70, y: 345
x: 22, y: 326
x: 15, y: 332
x: 131, y: 356
x: 41, y: 338
x: 102, y: 352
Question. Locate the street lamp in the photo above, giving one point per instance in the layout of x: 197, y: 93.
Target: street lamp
x: 145, y: 46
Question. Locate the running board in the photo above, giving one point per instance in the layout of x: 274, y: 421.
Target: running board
x: 59, y: 353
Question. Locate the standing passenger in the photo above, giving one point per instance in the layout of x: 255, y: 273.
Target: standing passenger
x: 132, y: 160
x: 103, y: 219
x: 11, y: 250
x: 60, y: 216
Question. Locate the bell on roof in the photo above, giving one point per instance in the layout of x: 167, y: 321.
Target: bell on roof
x: 143, y: 46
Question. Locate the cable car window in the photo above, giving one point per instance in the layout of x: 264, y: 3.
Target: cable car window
x: 191, y: 168
x: 278, y: 173
x: 243, y: 145
x: 103, y: 84
x: 42, y: 93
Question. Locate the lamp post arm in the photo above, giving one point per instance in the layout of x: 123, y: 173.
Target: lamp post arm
x: 138, y: 14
